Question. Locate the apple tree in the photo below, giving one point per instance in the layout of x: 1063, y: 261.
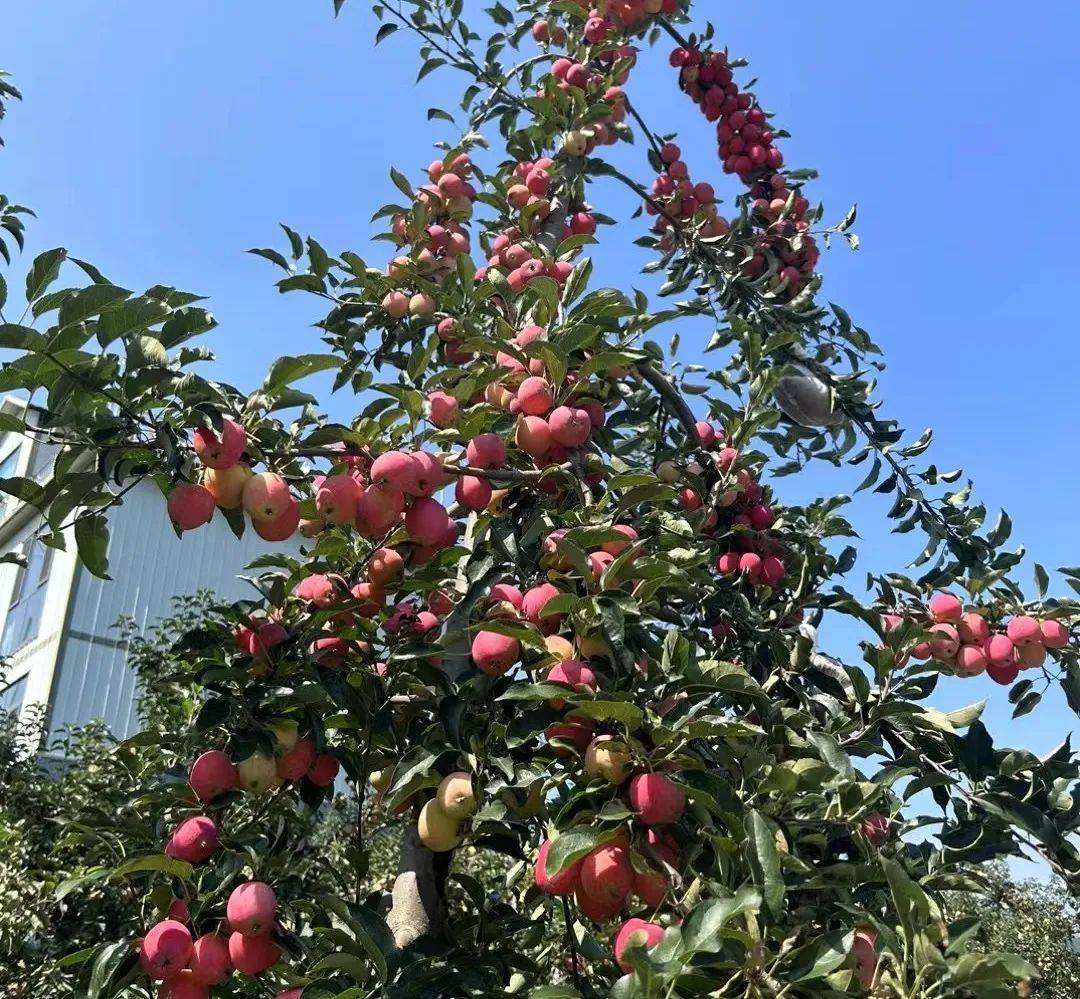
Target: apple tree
x: 550, y: 606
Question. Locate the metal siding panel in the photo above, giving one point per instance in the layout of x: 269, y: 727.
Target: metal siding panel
x: 149, y: 565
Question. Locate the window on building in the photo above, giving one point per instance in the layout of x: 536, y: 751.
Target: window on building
x: 41, y: 461
x: 11, y: 696
x: 23, y: 621
x: 8, y: 468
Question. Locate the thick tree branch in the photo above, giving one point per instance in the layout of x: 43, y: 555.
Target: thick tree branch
x: 418, y: 894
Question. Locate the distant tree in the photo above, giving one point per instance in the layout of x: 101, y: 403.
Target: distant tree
x: 1037, y: 919
x: 74, y: 809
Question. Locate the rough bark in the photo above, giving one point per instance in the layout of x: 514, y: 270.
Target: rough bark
x: 417, y: 899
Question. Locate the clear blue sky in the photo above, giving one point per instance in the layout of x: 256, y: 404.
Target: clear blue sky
x: 160, y: 140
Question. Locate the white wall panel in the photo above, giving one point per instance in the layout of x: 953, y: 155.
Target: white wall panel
x: 149, y: 565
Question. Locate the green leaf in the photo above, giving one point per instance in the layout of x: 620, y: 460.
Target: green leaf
x: 43, y: 271
x: 107, y: 965
x: 89, y: 302
x: 133, y: 316
x: 627, y: 713
x: 571, y: 846
x: 286, y: 370
x: 829, y: 750
x: 92, y: 541
x: 765, y: 863
x: 975, y: 969
x: 819, y: 958
x: 702, y: 929
x: 154, y: 862
x: 369, y: 930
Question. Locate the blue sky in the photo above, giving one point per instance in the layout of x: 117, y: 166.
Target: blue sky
x: 162, y: 140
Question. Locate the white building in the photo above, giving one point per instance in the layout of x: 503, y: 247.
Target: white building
x: 57, y: 621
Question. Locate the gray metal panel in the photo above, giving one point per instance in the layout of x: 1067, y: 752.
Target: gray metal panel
x: 149, y: 565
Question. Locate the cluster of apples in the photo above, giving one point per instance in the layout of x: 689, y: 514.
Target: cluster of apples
x: 436, y: 238
x: 629, y: 15
x: 229, y: 483
x: 553, y: 419
x: 441, y: 817
x: 680, y: 198
x: 747, y: 149
x: 966, y: 641
x: 520, y: 260
x: 604, y: 881
x: 187, y: 966
x: 738, y: 507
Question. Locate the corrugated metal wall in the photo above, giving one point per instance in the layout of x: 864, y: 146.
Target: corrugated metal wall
x: 149, y: 566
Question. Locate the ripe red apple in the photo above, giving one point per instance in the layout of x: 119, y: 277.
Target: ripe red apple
x: 211, y: 775
x: 336, y: 499
x: 652, y: 887
x: 535, y: 396
x: 533, y: 436
x: 320, y: 588
x: 194, y: 840
x: 472, y: 492
x: 571, y: 673
x: 635, y: 933
x: 371, y: 599
x: 973, y: 629
x: 1054, y: 634
x: 945, y: 643
x: 223, y: 451
x: 209, y: 961
x: 506, y: 593
x: 486, y: 451
x: 297, y: 761
x: 569, y: 426
x: 395, y: 469
x: 266, y: 496
x: 493, y: 653
x: 282, y: 527
x: 533, y: 603
x: 430, y: 475
x: 183, y: 986
x: 562, y: 883
x: 165, y: 949
x: 864, y: 952
x: 426, y: 521
x: 597, y: 909
x: 970, y: 660
x: 578, y: 731
x: 945, y: 607
x: 1003, y: 673
x: 444, y: 409
x: 607, y: 875
x: 657, y: 799
x: 378, y: 510
x: 1024, y: 630
x: 324, y: 770
x: 999, y: 650
x: 253, y: 955
x: 190, y: 506
x: 252, y: 909
x: 618, y: 547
